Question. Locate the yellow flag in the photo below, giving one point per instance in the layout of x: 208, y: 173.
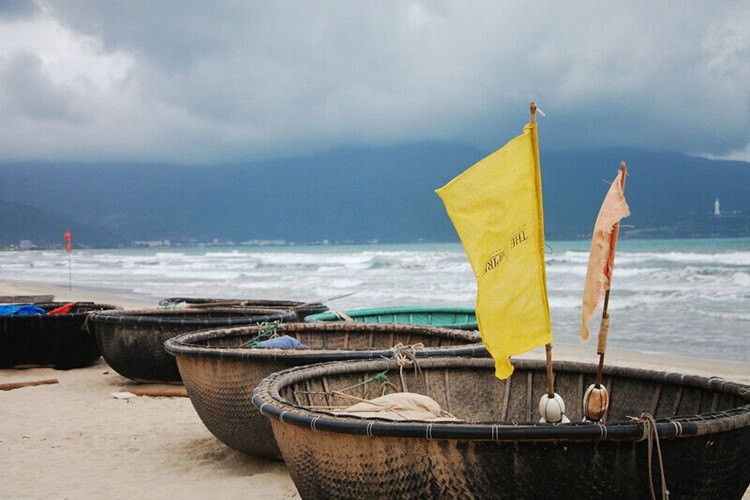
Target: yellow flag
x: 496, y: 207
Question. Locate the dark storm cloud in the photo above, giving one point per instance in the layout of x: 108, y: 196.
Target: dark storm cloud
x: 15, y: 9
x: 207, y: 81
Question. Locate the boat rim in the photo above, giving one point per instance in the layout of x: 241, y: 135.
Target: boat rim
x: 356, y: 313
x: 162, y: 316
x: 267, y: 399
x: 185, y: 344
x: 262, y: 303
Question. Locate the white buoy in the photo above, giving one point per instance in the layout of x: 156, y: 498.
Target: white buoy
x: 595, y: 402
x: 552, y: 410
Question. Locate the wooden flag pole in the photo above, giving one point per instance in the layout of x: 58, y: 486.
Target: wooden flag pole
x: 551, y: 405
x: 550, y: 374
x: 604, y: 326
x: 548, y: 347
x: 596, y: 398
x: 602, y: 346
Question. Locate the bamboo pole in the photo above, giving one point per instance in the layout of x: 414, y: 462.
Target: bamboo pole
x: 547, y: 347
x: 30, y: 383
x: 550, y: 373
x: 157, y: 390
x: 604, y: 326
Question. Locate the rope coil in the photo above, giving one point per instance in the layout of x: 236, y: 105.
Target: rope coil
x: 406, y: 355
x: 651, y: 434
x: 266, y: 331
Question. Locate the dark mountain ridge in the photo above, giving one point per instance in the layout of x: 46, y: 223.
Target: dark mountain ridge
x: 22, y: 222
x: 360, y: 194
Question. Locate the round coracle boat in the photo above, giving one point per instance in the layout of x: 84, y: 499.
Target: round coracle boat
x: 301, y: 308
x: 220, y: 376
x: 132, y: 342
x: 458, y: 318
x: 492, y: 447
x: 56, y: 340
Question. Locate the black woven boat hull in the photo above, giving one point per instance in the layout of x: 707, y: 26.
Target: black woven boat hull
x: 499, y: 451
x: 132, y: 342
x: 335, y: 466
x: 57, y: 340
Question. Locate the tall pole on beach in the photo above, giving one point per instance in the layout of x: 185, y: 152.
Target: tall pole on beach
x: 68, y: 250
x: 596, y: 398
x: 548, y: 347
x: 551, y: 406
x: 604, y: 326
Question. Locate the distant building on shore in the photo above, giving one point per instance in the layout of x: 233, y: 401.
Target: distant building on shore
x: 717, y: 207
x: 152, y: 243
x: 263, y: 243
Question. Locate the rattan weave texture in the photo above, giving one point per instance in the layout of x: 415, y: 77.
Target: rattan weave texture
x: 499, y: 452
x: 220, y: 377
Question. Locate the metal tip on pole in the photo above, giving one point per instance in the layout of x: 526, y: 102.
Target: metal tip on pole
x: 532, y: 110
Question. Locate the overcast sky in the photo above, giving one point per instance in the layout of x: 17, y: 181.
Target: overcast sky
x: 209, y: 82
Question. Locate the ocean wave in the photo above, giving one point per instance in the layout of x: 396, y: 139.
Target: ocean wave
x: 740, y: 279
x: 728, y: 316
x: 625, y: 258
x: 170, y: 255
x: 233, y: 254
x: 661, y: 298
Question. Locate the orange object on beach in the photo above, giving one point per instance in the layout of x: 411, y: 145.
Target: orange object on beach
x: 603, y: 243
x: 68, y: 241
x: 63, y: 309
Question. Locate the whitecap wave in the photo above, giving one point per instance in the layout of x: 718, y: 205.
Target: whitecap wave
x: 662, y: 300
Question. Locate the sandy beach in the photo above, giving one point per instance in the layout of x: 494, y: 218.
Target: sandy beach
x: 75, y: 440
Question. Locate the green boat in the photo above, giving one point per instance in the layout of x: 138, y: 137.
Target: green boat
x: 458, y: 318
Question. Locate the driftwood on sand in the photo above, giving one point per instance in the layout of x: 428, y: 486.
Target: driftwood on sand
x: 29, y: 383
x: 157, y: 390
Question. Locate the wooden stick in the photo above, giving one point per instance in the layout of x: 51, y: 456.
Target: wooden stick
x: 157, y: 390
x: 550, y: 374
x: 30, y: 383
x: 604, y: 327
x: 548, y: 347
x: 602, y: 341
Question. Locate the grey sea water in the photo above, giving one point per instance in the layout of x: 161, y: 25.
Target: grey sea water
x: 683, y: 297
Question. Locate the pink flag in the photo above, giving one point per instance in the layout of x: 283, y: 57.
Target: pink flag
x: 603, y: 242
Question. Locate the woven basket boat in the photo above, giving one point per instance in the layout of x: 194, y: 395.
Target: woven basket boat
x: 499, y: 451
x: 220, y: 376
x: 302, y: 309
x: 458, y: 318
x: 49, y: 340
x: 132, y: 342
